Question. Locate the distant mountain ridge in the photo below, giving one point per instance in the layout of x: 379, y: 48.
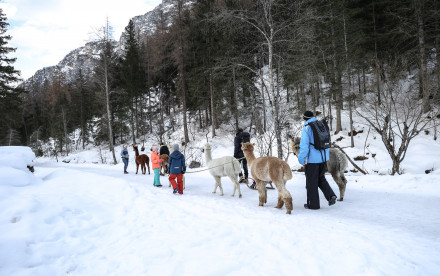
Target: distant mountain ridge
x: 86, y: 57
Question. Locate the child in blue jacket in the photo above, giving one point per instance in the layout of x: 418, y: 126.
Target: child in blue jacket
x: 176, y: 167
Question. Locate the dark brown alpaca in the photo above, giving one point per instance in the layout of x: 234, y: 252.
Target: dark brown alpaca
x: 164, y: 164
x: 142, y: 160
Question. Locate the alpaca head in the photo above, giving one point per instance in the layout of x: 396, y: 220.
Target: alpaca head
x: 207, y: 147
x: 294, y: 145
x: 248, y: 146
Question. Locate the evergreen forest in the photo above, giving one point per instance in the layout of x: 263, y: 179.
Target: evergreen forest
x: 255, y: 64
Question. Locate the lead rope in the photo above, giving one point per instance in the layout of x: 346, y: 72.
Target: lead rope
x: 215, y: 166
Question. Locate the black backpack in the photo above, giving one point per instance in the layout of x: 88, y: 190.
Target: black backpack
x: 245, y: 137
x: 321, y: 135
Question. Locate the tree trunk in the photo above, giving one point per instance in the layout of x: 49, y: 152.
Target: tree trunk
x: 235, y: 105
x: 182, y: 72
x: 349, y: 82
x: 65, y: 130
x: 213, y: 116
x: 107, y: 103
x: 264, y: 101
x: 423, y: 83
x: 376, y: 59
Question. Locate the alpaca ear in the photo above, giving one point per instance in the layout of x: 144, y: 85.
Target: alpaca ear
x: 253, y: 144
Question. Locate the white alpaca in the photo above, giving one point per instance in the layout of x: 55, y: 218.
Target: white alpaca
x: 223, y: 166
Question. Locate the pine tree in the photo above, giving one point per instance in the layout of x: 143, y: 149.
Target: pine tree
x: 132, y: 75
x: 10, y: 103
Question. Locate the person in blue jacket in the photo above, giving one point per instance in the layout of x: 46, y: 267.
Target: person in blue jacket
x: 176, y: 167
x: 124, y: 157
x: 314, y: 166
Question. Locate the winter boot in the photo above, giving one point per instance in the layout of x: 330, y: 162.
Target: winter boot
x: 175, y: 190
x: 332, y: 201
x: 254, y: 185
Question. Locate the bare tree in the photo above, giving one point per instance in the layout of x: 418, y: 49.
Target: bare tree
x: 103, y: 79
x: 397, y: 119
x: 267, y: 24
x: 181, y: 66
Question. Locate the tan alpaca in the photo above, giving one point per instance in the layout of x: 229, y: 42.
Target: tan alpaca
x: 269, y: 168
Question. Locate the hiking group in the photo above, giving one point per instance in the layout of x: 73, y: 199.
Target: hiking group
x: 176, y: 165
x: 313, y: 155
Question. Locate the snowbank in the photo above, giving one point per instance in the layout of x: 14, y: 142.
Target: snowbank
x: 14, y: 162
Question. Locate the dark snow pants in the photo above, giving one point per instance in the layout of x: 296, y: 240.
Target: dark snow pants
x: 315, y: 178
x: 245, y: 168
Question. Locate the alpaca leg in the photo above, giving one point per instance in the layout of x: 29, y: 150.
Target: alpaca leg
x: 341, y: 182
x: 144, y: 170
x: 217, y: 184
x: 236, y: 185
x: 148, y: 165
x: 137, y: 168
x: 262, y: 192
x: 342, y: 186
x: 288, y: 201
x: 220, y: 186
x: 284, y: 196
x: 280, y: 203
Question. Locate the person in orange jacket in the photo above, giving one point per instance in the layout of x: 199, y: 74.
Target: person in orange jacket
x: 155, y: 161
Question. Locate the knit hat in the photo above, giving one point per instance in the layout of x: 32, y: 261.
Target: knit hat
x: 308, y: 115
x: 154, y: 148
x: 176, y: 147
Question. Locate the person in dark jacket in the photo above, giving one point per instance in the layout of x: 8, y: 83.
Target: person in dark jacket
x: 241, y: 137
x: 176, y: 167
x: 164, y: 149
x: 314, y: 166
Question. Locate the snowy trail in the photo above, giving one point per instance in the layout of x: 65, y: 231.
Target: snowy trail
x: 93, y: 220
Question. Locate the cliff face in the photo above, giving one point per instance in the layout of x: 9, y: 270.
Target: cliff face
x: 85, y: 57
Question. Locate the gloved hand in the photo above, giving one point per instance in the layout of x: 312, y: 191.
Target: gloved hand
x: 183, y: 171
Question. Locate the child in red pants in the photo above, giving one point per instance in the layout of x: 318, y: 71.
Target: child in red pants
x: 176, y: 167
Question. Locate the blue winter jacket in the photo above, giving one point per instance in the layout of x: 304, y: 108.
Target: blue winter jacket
x: 124, y: 153
x: 176, y: 163
x: 307, y: 152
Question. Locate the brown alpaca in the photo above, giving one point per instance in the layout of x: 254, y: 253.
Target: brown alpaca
x: 269, y: 168
x: 142, y: 160
x: 164, y: 164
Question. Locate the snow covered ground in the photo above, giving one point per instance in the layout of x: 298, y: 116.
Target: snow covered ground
x: 90, y: 219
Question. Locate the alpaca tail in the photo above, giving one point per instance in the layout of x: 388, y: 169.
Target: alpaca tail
x: 236, y: 165
x: 287, y: 172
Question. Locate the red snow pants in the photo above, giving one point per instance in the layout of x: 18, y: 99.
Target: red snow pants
x: 179, y: 183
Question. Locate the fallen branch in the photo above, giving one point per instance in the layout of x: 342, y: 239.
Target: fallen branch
x: 349, y: 159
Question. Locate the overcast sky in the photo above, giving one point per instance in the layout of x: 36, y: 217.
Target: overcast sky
x: 44, y: 31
